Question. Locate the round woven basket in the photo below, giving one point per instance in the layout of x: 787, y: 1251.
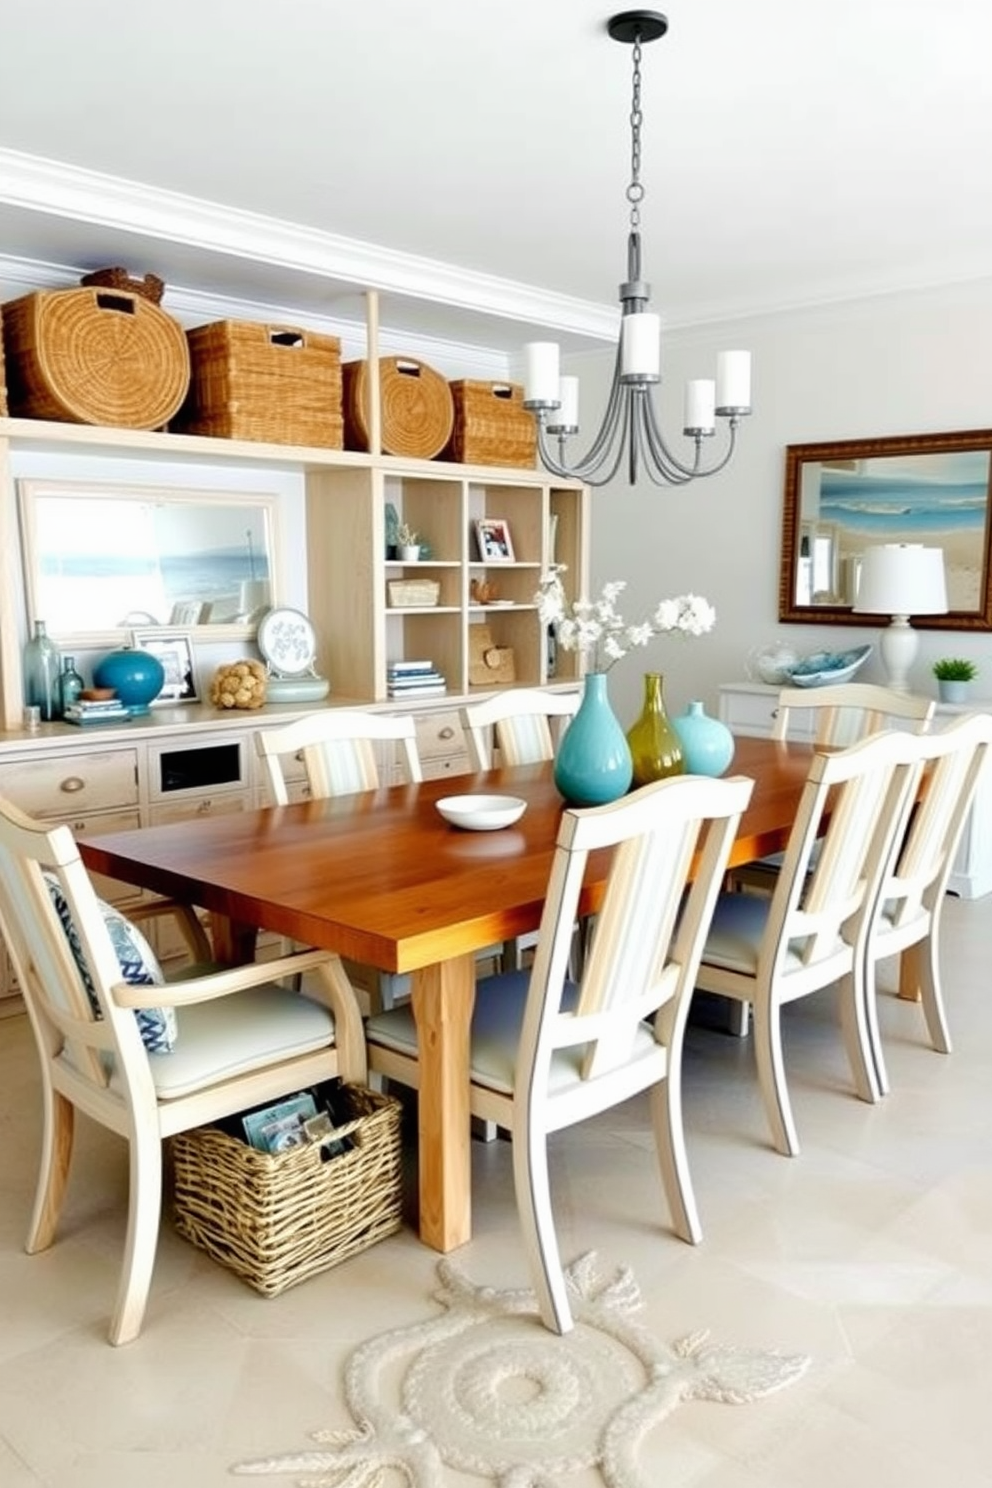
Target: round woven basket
x: 95, y: 356
x: 417, y: 408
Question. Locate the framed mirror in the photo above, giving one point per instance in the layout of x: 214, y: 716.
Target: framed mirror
x: 843, y: 497
x: 102, y: 559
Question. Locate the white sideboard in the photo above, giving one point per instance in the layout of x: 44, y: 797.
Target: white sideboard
x: 749, y: 708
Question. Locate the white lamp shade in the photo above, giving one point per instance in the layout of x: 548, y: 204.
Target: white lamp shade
x: 902, y: 579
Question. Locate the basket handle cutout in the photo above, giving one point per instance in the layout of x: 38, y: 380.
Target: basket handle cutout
x: 286, y: 338
x: 408, y: 369
x: 502, y: 390
x: 123, y: 304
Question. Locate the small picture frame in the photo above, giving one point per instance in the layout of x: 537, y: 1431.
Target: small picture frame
x: 175, y: 651
x: 187, y: 612
x: 492, y: 535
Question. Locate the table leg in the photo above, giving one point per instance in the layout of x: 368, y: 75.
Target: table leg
x: 233, y: 941
x: 443, y: 997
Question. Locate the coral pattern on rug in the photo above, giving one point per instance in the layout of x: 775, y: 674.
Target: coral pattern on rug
x: 488, y: 1390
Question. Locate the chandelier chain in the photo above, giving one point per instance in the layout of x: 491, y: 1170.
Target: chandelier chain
x: 635, y: 191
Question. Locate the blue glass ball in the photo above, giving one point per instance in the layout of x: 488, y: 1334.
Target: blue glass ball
x: 136, y: 676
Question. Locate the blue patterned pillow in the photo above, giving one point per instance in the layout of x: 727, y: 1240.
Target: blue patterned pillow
x: 138, y: 963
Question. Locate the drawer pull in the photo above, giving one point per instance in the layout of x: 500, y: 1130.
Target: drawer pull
x: 204, y: 808
x: 71, y: 784
x: 446, y: 733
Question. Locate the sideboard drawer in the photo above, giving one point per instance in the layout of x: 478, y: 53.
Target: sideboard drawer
x: 439, y: 735
x: 66, y: 786
x: 750, y: 709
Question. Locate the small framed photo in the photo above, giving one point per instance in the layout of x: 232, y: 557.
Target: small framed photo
x: 174, y: 650
x: 492, y: 535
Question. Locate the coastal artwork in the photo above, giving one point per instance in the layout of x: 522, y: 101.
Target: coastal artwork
x: 938, y: 499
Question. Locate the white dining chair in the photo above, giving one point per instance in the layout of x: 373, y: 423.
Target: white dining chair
x: 811, y: 932
x: 524, y: 723
x: 842, y: 713
x: 909, y: 907
x: 547, y: 1052
x: 142, y: 1057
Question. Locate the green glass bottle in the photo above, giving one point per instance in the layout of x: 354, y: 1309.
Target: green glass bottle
x: 41, y: 674
x: 655, y: 747
x: 70, y: 684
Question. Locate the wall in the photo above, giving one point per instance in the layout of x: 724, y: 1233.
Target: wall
x: 904, y: 364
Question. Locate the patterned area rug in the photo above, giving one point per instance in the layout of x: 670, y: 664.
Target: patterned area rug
x: 486, y: 1389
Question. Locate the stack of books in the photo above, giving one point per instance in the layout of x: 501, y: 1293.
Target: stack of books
x: 414, y: 679
x: 110, y: 711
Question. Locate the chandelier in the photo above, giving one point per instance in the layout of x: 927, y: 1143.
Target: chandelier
x: 630, y: 426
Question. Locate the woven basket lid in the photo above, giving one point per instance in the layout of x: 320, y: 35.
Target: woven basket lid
x: 417, y: 408
x: 108, y: 357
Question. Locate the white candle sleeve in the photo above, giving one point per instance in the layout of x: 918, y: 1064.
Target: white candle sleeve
x: 640, y: 345
x: 541, y: 372
x: 733, y: 379
x: 700, y: 401
x: 568, y: 415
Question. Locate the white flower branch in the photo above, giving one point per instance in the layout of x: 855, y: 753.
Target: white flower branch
x: 598, y: 631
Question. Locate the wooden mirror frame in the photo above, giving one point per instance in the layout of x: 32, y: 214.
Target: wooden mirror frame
x: 909, y: 447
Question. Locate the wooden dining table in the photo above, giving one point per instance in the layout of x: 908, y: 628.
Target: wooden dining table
x: 380, y: 877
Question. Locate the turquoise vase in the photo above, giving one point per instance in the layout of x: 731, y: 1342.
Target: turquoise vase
x: 707, y: 744
x: 136, y: 676
x: 593, y: 763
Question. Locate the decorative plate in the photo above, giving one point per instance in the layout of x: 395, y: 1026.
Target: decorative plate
x: 825, y: 667
x: 287, y: 642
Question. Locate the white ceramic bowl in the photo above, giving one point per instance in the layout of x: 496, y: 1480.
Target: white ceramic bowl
x: 481, y: 813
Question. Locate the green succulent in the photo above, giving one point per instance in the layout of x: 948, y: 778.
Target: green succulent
x: 954, y: 669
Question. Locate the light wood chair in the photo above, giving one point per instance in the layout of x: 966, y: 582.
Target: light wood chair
x: 336, y: 747
x: 337, y: 750
x: 909, y: 906
x: 842, y: 714
x: 813, y: 930
x: 241, y: 1039
x: 547, y: 1053
x: 521, y: 723
x: 526, y: 724
x: 845, y: 712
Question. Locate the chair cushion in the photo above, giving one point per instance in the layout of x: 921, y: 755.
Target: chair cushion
x: 229, y: 1036
x: 138, y: 965
x: 496, y: 1021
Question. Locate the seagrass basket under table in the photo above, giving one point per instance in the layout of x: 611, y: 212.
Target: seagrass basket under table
x: 278, y: 1218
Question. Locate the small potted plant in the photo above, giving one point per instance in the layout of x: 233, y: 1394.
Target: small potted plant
x: 954, y: 675
x: 407, y: 543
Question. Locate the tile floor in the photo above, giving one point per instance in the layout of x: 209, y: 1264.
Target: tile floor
x: 872, y: 1252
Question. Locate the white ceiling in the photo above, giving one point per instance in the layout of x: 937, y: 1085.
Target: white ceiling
x: 794, y: 152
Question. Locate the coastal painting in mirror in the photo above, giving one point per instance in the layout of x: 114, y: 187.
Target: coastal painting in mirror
x: 843, y: 497
x: 102, y: 559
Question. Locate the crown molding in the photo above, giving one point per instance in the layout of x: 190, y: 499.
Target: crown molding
x: 33, y: 184
x: 193, y: 307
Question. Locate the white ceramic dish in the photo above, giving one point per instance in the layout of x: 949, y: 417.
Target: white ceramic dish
x: 825, y: 667
x: 481, y: 813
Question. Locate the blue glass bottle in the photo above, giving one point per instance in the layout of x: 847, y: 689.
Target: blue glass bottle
x: 41, y: 674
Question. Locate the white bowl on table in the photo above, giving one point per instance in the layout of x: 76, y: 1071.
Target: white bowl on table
x: 481, y: 813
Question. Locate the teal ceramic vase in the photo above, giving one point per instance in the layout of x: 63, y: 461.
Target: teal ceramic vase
x: 136, y: 676
x: 707, y: 744
x: 655, y: 747
x: 593, y: 764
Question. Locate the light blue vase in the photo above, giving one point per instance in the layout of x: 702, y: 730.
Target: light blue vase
x: 707, y: 744
x: 593, y: 763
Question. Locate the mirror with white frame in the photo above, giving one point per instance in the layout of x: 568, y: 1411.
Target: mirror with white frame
x: 101, y: 559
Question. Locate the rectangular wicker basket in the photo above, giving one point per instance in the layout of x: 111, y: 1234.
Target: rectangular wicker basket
x: 273, y: 383
x: 278, y: 1218
x: 492, y: 426
x: 407, y: 594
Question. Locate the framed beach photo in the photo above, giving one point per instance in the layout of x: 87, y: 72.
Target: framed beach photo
x: 175, y: 651
x: 844, y: 497
x: 492, y: 535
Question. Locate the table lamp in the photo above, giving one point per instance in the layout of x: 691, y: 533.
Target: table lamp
x: 901, y: 579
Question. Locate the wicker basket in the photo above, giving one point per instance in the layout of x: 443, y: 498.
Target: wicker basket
x: 273, y: 383
x: 278, y: 1218
x: 417, y: 412
x: 94, y: 356
x: 492, y: 426
x: 407, y: 594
